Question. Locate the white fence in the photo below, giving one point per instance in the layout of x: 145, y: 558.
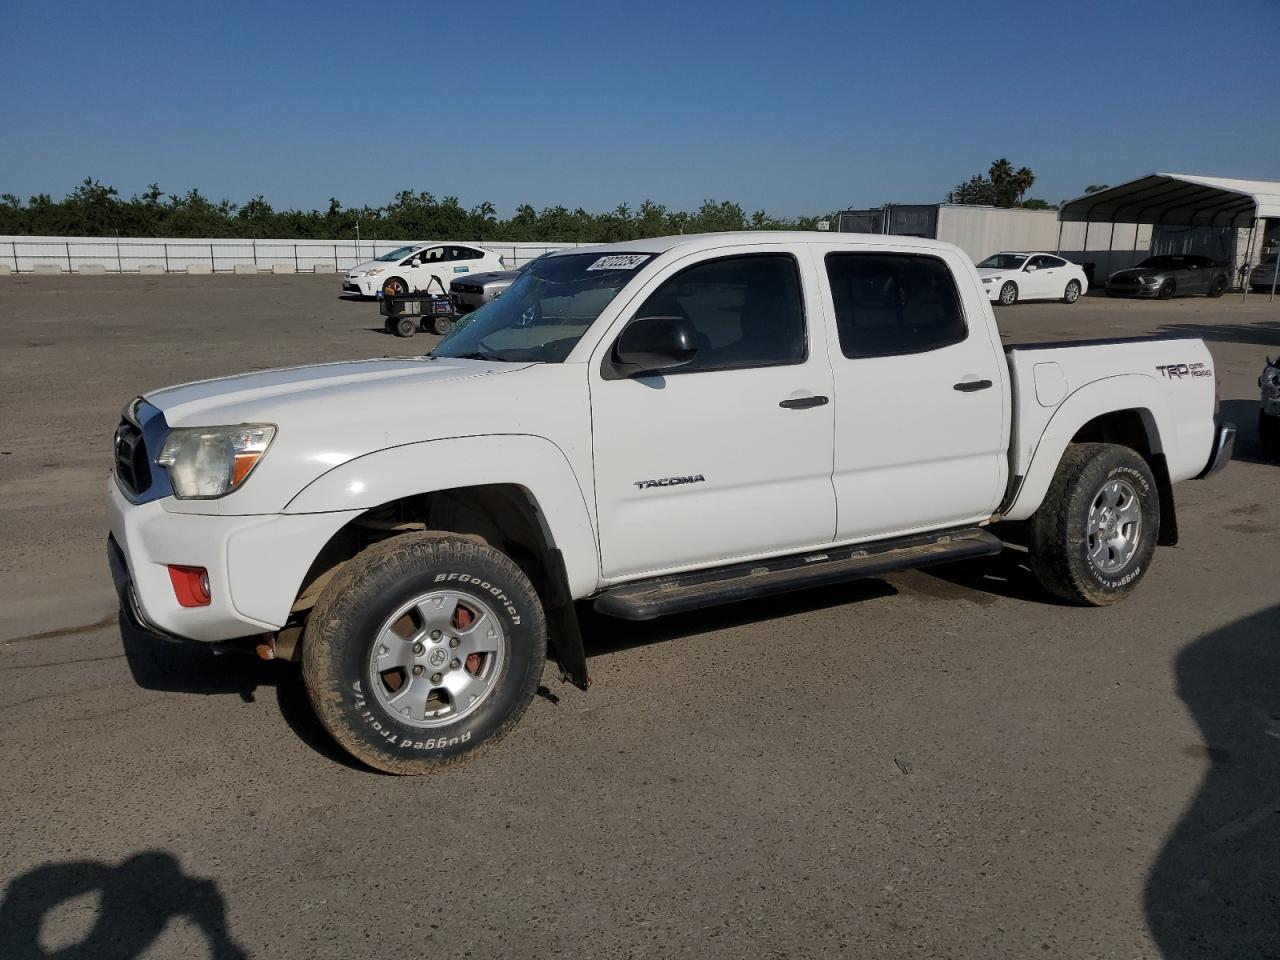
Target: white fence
x: 130, y: 255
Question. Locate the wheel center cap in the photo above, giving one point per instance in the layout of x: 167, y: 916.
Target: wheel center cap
x: 437, y: 657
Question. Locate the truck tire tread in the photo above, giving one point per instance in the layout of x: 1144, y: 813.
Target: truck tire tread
x: 327, y: 677
x: 1056, y: 530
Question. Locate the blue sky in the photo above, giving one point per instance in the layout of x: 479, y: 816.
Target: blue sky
x: 793, y: 107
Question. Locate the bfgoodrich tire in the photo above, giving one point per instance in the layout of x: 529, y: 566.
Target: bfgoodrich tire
x: 1093, y: 538
x: 422, y: 650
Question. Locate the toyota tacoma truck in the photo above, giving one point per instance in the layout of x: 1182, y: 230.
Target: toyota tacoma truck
x: 648, y: 427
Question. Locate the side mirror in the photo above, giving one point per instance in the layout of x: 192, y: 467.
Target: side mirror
x: 1032, y: 268
x: 652, y: 345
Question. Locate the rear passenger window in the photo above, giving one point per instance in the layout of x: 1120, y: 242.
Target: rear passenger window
x: 890, y: 303
x: 463, y: 253
x: 747, y: 311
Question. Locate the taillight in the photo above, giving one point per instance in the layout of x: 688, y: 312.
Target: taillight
x: 1217, y: 392
x: 190, y: 585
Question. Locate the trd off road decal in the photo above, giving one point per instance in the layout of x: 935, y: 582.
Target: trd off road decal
x: 669, y: 481
x: 1176, y: 371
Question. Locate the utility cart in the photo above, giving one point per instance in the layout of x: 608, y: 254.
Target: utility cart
x: 408, y: 313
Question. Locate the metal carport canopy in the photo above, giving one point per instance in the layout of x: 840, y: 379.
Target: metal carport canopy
x: 1178, y: 199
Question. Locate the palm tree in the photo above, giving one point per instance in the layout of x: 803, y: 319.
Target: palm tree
x: 1022, y: 181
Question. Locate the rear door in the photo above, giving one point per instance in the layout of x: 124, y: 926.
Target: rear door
x: 921, y: 393
x: 730, y: 456
x: 464, y: 260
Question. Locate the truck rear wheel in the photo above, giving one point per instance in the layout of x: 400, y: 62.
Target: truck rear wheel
x: 1094, y: 535
x: 423, y: 649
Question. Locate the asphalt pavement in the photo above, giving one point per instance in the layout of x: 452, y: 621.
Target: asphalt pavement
x: 940, y: 763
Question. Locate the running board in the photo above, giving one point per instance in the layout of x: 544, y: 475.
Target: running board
x: 676, y: 593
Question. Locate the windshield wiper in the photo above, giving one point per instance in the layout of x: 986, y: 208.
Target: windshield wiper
x: 475, y: 355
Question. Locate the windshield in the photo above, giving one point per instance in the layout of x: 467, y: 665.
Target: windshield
x: 1170, y: 262
x: 546, y: 310
x: 1003, y: 261
x: 396, y: 254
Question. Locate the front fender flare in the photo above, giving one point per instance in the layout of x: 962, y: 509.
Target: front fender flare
x: 533, y: 463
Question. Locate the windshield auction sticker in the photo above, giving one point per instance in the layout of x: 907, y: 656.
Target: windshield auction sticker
x: 620, y: 261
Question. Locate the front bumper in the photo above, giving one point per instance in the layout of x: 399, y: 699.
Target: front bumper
x: 256, y: 565
x: 1224, y: 442
x: 1129, y: 290
x: 364, y: 286
x: 467, y: 300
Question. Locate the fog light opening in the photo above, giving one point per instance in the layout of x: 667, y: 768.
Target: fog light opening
x: 190, y: 585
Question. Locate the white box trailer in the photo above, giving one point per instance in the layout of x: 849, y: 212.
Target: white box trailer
x: 981, y: 231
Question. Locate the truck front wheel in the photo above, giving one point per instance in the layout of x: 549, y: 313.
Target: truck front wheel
x: 1094, y: 535
x: 423, y: 649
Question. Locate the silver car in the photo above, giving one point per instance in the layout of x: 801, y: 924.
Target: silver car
x: 476, y: 290
x: 1264, y: 274
x: 1170, y: 275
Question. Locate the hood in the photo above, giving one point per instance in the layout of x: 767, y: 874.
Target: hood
x: 270, y: 396
x: 370, y: 264
x: 990, y: 273
x: 481, y: 279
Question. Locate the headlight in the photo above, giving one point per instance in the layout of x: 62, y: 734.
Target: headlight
x: 1270, y: 377
x: 374, y: 272
x: 1150, y: 279
x: 209, y: 462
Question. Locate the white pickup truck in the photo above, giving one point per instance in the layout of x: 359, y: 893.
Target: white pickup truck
x: 652, y: 427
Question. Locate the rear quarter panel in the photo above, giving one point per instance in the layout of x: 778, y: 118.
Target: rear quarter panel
x: 1059, y: 388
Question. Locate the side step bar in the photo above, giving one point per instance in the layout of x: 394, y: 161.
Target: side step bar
x: 676, y: 593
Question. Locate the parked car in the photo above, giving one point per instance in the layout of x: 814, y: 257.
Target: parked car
x: 1010, y: 276
x: 479, y: 288
x: 1263, y: 275
x: 652, y: 426
x: 1170, y: 275
x: 419, y: 268
x: 1269, y: 408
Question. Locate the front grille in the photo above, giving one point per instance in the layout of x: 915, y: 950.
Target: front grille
x: 467, y: 288
x: 132, y: 466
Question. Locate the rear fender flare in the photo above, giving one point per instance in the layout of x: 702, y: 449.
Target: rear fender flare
x: 1126, y: 392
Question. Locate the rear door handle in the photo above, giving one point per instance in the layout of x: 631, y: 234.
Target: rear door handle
x: 969, y: 386
x: 802, y: 403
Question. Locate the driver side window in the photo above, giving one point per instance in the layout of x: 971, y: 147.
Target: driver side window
x: 747, y: 311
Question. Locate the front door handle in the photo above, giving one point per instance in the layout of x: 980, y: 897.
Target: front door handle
x: 969, y: 386
x: 803, y: 403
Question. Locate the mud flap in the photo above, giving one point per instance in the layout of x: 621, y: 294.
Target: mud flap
x: 562, y: 625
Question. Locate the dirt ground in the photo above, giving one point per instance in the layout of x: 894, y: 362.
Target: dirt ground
x: 936, y: 764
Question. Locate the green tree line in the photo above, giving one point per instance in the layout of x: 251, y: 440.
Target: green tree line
x: 95, y: 210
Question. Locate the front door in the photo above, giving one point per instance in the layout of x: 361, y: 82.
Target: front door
x: 921, y: 394
x: 729, y: 456
x: 1045, y: 281
x: 430, y: 271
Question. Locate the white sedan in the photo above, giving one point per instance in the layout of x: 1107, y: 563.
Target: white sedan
x: 1011, y: 276
x: 419, y: 268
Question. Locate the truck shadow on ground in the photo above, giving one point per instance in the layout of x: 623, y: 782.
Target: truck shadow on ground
x: 192, y: 668
x: 1214, y: 890
x: 1263, y: 333
x: 603, y: 635
x: 135, y: 901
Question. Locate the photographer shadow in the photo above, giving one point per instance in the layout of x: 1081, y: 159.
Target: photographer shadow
x: 1214, y: 890
x: 137, y: 900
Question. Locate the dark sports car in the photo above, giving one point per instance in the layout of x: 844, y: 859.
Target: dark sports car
x: 1170, y: 275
